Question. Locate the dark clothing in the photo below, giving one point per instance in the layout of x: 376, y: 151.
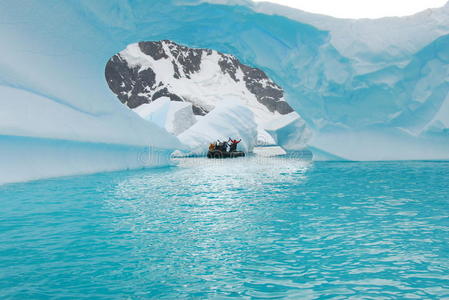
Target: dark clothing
x: 224, y: 146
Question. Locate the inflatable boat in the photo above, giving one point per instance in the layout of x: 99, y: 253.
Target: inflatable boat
x: 221, y: 154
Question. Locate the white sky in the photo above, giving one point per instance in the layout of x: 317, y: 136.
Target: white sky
x: 361, y: 8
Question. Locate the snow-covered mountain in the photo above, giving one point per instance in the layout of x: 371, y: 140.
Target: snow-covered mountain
x: 147, y: 71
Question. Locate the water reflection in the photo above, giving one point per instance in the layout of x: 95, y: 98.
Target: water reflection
x: 277, y: 226
x: 200, y: 189
x: 202, y: 178
x: 203, y: 214
x: 246, y: 228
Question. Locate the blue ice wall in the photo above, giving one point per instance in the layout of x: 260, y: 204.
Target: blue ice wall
x: 58, y: 49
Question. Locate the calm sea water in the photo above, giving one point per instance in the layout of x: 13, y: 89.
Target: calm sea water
x: 248, y: 228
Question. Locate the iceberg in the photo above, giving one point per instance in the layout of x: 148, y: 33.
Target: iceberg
x: 41, y: 138
x: 230, y: 119
x: 30, y: 158
x: 382, y: 80
x: 367, y: 89
x: 290, y: 132
x: 174, y: 116
x: 58, y: 117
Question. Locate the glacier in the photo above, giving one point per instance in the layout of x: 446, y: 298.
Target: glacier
x: 368, y: 89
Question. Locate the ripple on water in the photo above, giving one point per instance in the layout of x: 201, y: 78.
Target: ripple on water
x: 251, y: 228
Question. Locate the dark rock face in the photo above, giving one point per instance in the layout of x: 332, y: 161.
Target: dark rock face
x: 129, y: 84
x: 155, y: 50
x: 268, y: 94
x: 135, y: 86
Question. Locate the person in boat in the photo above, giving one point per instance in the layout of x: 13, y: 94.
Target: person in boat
x: 228, y: 147
x: 211, y: 147
x: 233, y: 145
x: 224, y: 147
x: 220, y: 146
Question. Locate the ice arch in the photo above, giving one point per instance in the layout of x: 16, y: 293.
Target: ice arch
x: 54, y: 53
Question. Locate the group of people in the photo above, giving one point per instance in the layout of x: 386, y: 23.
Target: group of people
x: 227, y: 146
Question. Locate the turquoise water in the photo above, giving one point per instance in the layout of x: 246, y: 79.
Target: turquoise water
x: 249, y: 228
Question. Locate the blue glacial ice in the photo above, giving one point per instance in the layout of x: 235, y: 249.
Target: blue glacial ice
x: 367, y: 93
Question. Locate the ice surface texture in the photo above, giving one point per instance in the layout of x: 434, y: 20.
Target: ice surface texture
x: 174, y: 116
x: 370, y: 89
x: 53, y: 94
x: 377, y: 94
x: 30, y: 158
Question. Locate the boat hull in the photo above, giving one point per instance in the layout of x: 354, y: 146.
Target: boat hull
x: 220, y: 154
